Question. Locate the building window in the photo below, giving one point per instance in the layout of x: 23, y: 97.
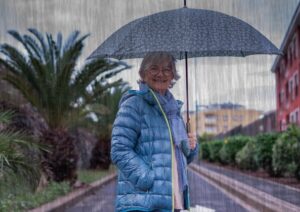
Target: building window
x: 281, y: 97
x: 294, y: 116
x: 291, y: 118
x: 241, y: 118
x: 287, y: 91
x: 280, y: 125
x: 225, y: 117
x: 282, y: 66
x: 291, y: 88
x: 296, y: 45
x: 296, y: 79
x: 210, y: 129
x: 210, y: 118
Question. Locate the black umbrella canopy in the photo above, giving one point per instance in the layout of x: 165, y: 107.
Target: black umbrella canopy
x: 185, y: 33
x: 199, y: 32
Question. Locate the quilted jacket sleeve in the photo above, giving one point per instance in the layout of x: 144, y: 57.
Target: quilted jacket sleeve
x: 125, y: 133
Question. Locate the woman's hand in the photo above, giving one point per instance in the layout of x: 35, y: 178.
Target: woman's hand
x: 192, y: 140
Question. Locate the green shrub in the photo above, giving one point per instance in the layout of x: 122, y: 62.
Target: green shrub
x: 231, y: 146
x: 204, y: 151
x: 245, y: 157
x: 286, y: 150
x: 263, y: 153
x: 214, y: 149
x: 25, y: 199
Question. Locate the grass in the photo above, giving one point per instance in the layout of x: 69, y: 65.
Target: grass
x: 89, y: 176
x: 22, y: 201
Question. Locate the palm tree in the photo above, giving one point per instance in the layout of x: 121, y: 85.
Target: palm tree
x: 105, y: 112
x: 48, y: 77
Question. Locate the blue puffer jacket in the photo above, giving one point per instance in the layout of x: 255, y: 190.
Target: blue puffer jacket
x: 141, y: 149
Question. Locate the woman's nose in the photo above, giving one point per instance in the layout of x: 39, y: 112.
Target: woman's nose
x: 160, y: 72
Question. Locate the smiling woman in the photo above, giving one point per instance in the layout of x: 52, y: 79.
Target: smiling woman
x: 150, y: 145
x: 158, y: 71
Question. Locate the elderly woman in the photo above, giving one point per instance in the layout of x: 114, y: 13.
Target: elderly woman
x: 150, y: 145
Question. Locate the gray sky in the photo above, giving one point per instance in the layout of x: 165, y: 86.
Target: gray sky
x: 246, y: 81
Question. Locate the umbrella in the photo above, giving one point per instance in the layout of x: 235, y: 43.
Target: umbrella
x: 185, y: 33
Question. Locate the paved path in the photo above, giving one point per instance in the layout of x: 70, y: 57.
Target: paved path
x: 283, y: 192
x: 202, y: 194
x: 101, y: 201
x: 208, y: 196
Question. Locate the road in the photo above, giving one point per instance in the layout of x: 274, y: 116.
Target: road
x: 203, y: 195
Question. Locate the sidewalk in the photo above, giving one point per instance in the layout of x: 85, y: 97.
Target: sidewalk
x: 277, y: 190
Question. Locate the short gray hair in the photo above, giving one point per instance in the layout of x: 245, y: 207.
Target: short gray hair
x: 157, y: 58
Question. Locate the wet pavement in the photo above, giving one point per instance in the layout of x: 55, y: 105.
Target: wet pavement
x: 206, y: 195
x: 202, y: 195
x: 282, y: 192
x: 103, y: 200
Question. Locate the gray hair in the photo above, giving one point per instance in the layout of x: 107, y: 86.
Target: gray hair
x: 157, y: 58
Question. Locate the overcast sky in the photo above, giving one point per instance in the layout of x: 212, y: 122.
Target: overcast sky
x: 247, y: 81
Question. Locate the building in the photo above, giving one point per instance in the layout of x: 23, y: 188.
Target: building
x: 220, y: 118
x: 286, y: 68
x: 265, y: 124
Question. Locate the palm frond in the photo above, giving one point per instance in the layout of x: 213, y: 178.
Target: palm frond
x: 36, y: 49
x: 90, y: 72
x: 24, y: 40
x: 11, y: 67
x: 40, y: 38
x: 6, y: 116
x: 16, y: 35
x: 14, y: 146
x: 51, y: 60
x: 59, y: 44
x: 17, y: 62
x: 70, y: 40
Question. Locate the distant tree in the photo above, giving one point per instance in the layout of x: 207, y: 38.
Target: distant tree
x: 105, y: 112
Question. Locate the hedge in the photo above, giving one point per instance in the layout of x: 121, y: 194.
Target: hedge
x: 231, y: 147
x: 286, y: 153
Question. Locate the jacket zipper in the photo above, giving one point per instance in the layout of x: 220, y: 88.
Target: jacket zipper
x: 171, y: 141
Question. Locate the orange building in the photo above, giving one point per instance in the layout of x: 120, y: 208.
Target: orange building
x: 220, y: 118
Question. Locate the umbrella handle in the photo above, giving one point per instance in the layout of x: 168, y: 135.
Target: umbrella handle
x: 188, y: 126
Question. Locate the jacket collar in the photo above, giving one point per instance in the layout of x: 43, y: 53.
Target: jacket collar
x: 145, y: 93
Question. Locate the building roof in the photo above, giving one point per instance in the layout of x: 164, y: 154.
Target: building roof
x: 295, y: 22
x: 225, y: 105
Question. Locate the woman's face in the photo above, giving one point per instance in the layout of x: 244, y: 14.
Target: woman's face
x: 159, y: 77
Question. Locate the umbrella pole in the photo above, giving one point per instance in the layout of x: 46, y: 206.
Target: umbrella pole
x: 188, y: 126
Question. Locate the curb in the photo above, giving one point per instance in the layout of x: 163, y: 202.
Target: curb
x: 251, y: 196
x: 61, y: 203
